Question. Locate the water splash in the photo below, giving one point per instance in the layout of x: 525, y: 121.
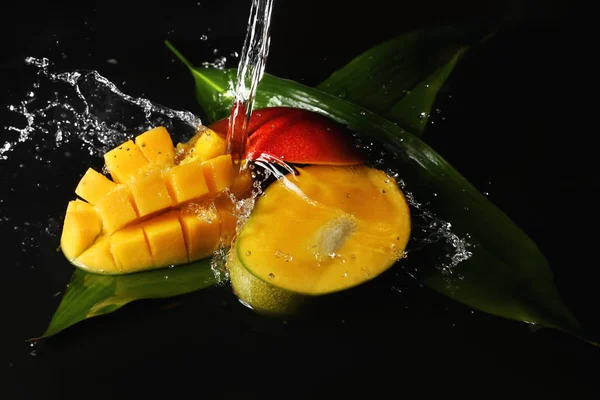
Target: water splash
x: 86, y: 107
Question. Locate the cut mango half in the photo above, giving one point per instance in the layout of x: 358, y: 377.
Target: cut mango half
x: 327, y: 229
x: 159, y: 209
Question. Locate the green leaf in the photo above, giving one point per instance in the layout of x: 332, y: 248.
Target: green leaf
x: 506, y: 275
x: 400, y: 78
x: 89, y: 295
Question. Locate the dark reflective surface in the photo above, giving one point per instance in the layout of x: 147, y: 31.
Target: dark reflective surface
x: 507, y: 121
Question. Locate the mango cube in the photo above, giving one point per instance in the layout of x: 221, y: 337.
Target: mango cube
x: 209, y: 145
x: 125, y: 161
x: 165, y: 238
x: 116, y: 209
x: 150, y: 194
x: 79, y: 206
x: 156, y: 145
x: 186, y: 182
x: 242, y: 184
x: 93, y: 185
x: 80, y: 229
x: 218, y: 173
x: 227, y: 218
x: 201, y: 232
x: 130, y: 249
x: 98, y: 257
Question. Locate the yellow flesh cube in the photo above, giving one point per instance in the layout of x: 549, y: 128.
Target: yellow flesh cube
x: 98, y: 257
x: 150, y: 193
x: 93, y: 185
x: 186, y: 182
x: 156, y: 145
x: 125, y: 161
x: 218, y: 173
x: 201, y: 232
x: 165, y: 238
x: 80, y: 229
x: 79, y: 206
x: 116, y: 209
x: 130, y: 249
x: 209, y: 145
x: 227, y: 218
x: 242, y: 184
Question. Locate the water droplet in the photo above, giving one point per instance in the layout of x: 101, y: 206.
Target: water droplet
x: 204, y: 37
x: 383, y: 191
x: 271, y: 276
x: 345, y: 274
x: 248, y: 253
x: 166, y: 276
x: 348, y: 195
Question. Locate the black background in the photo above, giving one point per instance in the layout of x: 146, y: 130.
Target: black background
x: 508, y: 121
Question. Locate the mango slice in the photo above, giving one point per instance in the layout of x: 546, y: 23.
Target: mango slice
x: 338, y: 227
x: 156, y: 211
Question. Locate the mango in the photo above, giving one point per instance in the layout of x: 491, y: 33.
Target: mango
x: 125, y: 161
x: 93, y: 185
x: 218, y: 173
x: 187, y: 182
x: 80, y: 228
x: 165, y: 239
x: 116, y: 209
x: 156, y: 211
x: 130, y: 250
x: 150, y: 194
x: 156, y: 146
x: 342, y: 226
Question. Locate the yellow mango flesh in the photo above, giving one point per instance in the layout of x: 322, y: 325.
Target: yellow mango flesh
x: 165, y: 239
x: 150, y: 194
x: 98, y: 258
x: 156, y: 212
x: 125, y: 161
x: 205, y: 145
x: 218, y: 173
x: 201, y: 230
x: 80, y: 229
x: 130, y: 250
x: 187, y: 182
x: 338, y: 227
x: 116, y: 209
x: 209, y: 145
x: 156, y: 146
x: 93, y: 186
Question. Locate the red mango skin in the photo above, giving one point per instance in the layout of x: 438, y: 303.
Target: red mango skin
x: 296, y: 136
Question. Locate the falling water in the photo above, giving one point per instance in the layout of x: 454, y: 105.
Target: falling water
x: 250, y: 71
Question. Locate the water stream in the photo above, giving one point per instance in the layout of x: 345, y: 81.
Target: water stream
x: 250, y: 71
